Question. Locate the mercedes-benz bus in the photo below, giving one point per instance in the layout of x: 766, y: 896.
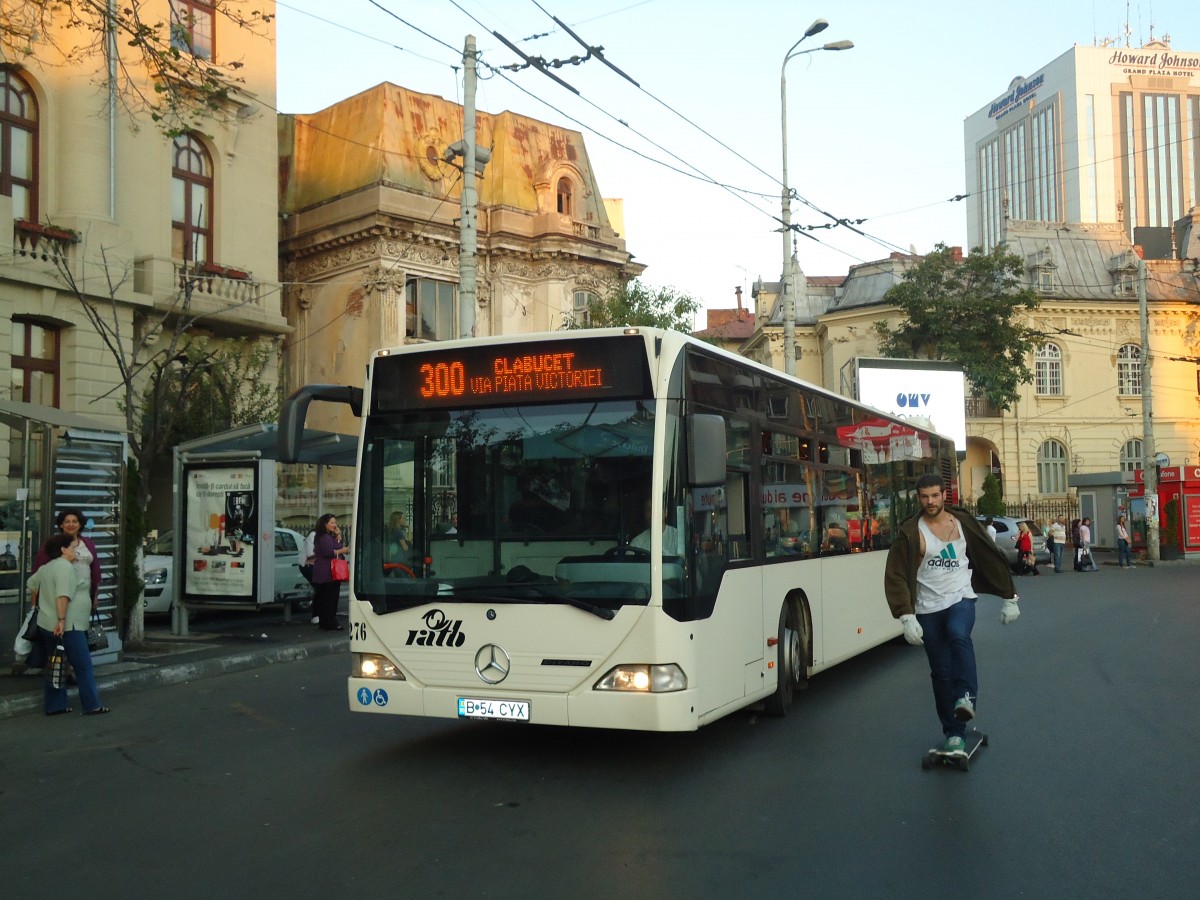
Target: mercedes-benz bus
x: 617, y: 528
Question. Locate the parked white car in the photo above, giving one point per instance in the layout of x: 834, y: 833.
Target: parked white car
x: 288, y: 586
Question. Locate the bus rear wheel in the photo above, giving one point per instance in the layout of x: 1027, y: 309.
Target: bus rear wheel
x: 792, y: 660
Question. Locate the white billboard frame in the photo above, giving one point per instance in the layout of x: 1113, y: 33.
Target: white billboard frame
x: 931, y: 393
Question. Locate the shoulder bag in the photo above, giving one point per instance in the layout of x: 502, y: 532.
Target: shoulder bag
x: 339, y: 569
x: 96, y: 638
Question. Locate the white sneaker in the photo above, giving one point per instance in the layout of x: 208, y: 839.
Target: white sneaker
x: 964, y: 709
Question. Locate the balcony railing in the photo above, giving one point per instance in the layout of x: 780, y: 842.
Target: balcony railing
x: 47, y: 243
x: 217, y: 282
x: 982, y: 408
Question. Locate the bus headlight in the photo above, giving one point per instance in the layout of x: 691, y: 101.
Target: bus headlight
x: 643, y: 679
x: 156, y: 576
x: 374, y: 665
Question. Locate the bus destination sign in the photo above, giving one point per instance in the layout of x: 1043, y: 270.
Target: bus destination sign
x: 597, y: 368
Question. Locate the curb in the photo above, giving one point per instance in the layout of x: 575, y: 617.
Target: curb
x: 156, y: 676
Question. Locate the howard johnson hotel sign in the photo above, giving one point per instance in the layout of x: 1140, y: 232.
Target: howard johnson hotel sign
x: 1025, y: 91
x: 1156, y: 62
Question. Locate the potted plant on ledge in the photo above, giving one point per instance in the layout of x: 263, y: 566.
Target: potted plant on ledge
x: 53, y: 232
x: 219, y: 271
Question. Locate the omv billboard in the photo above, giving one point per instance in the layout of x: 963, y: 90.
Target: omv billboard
x: 932, y: 393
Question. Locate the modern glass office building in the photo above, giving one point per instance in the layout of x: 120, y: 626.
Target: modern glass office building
x: 1101, y: 134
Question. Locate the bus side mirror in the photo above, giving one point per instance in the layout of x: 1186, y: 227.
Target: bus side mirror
x: 295, y: 410
x: 706, y: 449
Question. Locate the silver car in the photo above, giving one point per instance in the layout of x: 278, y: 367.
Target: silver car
x: 1006, y: 537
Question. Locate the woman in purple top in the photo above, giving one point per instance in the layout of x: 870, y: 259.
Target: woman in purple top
x: 328, y: 546
x: 86, y: 557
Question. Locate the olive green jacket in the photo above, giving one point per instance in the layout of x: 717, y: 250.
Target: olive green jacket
x: 990, y: 570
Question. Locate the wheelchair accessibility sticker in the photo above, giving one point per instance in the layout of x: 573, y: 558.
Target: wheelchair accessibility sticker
x: 366, y: 698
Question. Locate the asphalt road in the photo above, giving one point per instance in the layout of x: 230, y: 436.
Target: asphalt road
x: 263, y: 783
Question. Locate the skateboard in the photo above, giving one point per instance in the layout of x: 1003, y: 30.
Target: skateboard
x: 975, y: 740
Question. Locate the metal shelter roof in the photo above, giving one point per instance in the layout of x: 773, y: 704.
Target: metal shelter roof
x: 12, y: 412
x: 318, y: 447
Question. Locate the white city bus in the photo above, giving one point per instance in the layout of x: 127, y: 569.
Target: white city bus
x: 525, y: 581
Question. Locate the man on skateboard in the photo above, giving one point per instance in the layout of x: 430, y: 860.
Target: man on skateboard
x: 938, y: 561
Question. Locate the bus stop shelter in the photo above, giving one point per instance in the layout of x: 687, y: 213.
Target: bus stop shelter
x: 224, y: 502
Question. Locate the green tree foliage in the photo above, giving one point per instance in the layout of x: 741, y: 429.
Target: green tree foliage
x: 992, y: 501
x: 634, y: 303
x: 209, y: 387
x: 968, y: 312
x: 158, y: 72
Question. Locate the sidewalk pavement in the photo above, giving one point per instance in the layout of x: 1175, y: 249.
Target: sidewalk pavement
x: 215, y: 646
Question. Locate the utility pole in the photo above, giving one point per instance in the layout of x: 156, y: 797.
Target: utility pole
x: 468, y: 223
x: 1149, y: 466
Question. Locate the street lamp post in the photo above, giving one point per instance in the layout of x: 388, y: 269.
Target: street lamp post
x: 788, y: 287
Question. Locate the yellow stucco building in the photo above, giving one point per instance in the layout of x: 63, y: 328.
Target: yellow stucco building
x: 1082, y: 414
x: 153, y: 230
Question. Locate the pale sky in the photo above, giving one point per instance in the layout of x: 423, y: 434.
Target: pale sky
x: 874, y: 132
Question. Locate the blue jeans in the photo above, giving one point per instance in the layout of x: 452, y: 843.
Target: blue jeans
x: 951, y: 660
x: 1056, y: 552
x: 75, y: 644
x: 1124, y: 557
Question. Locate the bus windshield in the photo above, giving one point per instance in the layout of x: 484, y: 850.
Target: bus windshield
x: 529, y: 504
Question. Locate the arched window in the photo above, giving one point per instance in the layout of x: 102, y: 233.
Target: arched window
x: 18, y: 145
x: 1131, y: 455
x: 581, y: 308
x: 1052, y: 468
x: 191, y: 201
x: 1129, y: 370
x: 564, y: 196
x: 1048, y: 374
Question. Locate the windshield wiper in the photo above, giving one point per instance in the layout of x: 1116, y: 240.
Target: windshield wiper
x: 540, y: 595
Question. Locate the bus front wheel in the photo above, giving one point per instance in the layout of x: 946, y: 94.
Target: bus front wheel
x: 792, y: 664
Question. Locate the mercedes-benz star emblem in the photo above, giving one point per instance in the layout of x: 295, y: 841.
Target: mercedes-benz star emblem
x: 492, y: 663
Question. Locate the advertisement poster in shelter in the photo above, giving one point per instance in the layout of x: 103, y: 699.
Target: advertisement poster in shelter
x: 220, y: 523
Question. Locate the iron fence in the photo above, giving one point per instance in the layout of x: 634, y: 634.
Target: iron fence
x: 1043, y: 512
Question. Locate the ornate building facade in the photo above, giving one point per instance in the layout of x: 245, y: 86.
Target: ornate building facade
x: 370, y: 234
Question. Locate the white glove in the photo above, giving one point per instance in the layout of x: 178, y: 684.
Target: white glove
x: 913, y: 632
x: 1009, y: 611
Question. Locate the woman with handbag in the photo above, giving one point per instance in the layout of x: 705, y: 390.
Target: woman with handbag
x: 84, y: 556
x: 1026, y: 562
x: 64, y: 604
x: 330, y: 556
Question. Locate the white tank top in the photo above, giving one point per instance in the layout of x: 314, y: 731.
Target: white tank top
x: 944, y: 577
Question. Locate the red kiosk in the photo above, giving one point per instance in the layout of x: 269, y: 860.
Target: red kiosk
x: 1178, y: 505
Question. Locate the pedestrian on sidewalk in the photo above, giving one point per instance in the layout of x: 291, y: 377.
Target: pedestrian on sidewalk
x: 938, y: 561
x: 1124, y: 556
x: 64, y: 605
x: 1057, y: 539
x: 1087, y: 562
x: 328, y: 546
x: 1026, y: 561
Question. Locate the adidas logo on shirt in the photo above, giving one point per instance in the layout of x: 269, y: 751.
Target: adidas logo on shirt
x: 945, y: 560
